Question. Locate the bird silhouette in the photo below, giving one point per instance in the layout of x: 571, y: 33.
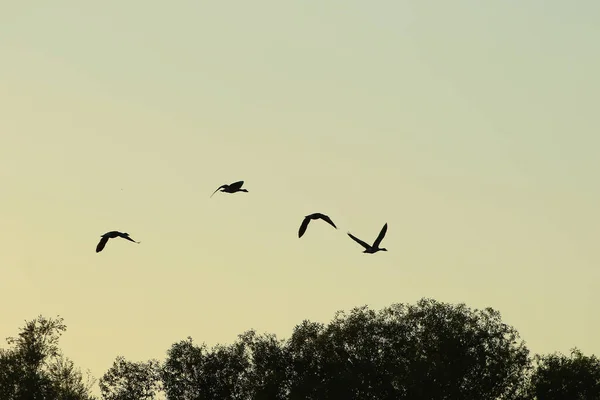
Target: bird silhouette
x: 375, y: 247
x: 231, y: 188
x: 310, y: 217
x: 112, y: 235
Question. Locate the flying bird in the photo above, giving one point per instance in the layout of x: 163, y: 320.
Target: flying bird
x: 310, y: 217
x: 231, y: 188
x: 375, y: 247
x: 112, y: 235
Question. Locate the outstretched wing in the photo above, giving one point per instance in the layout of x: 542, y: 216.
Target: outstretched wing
x: 101, y: 244
x: 219, y: 188
x: 236, y: 185
x: 328, y: 220
x: 381, y: 236
x: 357, y: 240
x: 303, y: 227
x: 128, y: 238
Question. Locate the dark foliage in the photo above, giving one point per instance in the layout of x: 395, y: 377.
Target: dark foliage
x: 127, y: 380
x: 428, y: 350
x: 35, y: 369
x: 560, y: 377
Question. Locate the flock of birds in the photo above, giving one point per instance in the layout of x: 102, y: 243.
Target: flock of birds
x: 237, y: 187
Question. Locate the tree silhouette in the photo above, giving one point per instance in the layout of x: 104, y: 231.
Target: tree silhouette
x: 36, y: 369
x: 560, y: 377
x: 194, y: 372
x: 127, y: 380
x: 428, y: 350
x: 268, y: 375
x: 182, y: 374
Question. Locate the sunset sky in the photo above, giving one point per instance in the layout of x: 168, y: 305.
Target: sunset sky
x: 470, y: 127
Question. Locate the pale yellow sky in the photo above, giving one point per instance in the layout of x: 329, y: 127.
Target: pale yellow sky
x: 469, y: 127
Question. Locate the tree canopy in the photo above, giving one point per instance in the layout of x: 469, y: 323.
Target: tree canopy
x: 35, y: 368
x: 427, y: 350
x: 558, y: 376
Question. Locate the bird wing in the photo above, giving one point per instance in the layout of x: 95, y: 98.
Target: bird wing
x: 101, y: 244
x: 236, y: 185
x: 328, y: 220
x: 357, y: 240
x: 303, y: 227
x: 381, y: 236
x: 219, y: 188
x: 128, y: 238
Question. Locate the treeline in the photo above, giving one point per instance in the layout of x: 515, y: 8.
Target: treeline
x: 428, y: 350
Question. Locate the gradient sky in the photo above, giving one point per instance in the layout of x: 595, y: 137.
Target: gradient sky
x: 470, y: 127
